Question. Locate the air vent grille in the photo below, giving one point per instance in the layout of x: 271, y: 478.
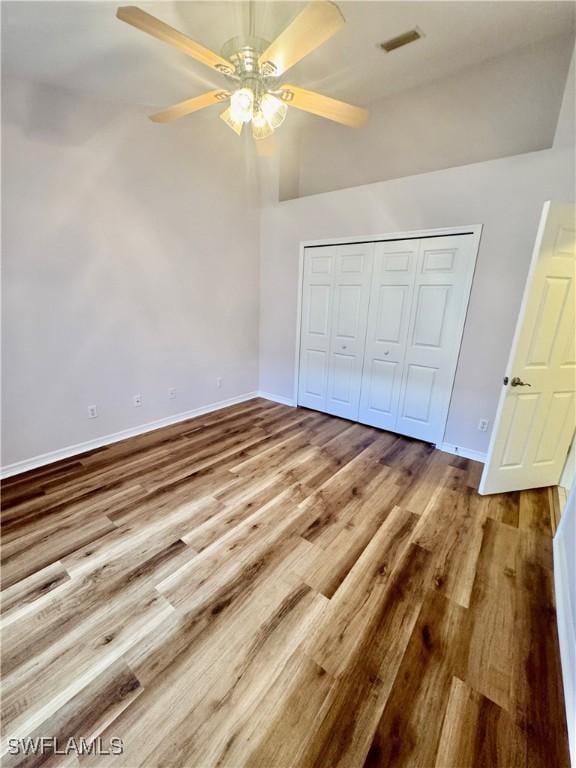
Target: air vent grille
x: 400, y: 40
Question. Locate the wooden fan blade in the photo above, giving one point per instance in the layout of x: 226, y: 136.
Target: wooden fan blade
x: 312, y: 27
x: 153, y: 26
x: 236, y: 125
x: 324, y: 106
x: 189, y: 106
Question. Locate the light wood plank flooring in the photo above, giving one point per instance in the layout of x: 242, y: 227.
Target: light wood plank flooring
x: 274, y: 587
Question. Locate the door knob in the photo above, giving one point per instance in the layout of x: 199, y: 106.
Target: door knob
x: 517, y: 382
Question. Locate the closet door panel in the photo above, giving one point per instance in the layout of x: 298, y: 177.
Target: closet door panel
x: 391, y: 305
x: 342, y: 379
x: 418, y: 392
x: 347, y: 312
x: 351, y: 286
x: 381, y: 328
x: 333, y: 327
x: 442, y: 284
x: 316, y: 370
x: 432, y: 303
x: 315, y: 329
x: 388, y: 319
x: 383, y: 377
x: 319, y: 310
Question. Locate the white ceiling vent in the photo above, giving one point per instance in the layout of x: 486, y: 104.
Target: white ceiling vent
x: 397, y: 42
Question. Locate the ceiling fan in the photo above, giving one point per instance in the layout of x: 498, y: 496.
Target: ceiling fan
x: 254, y: 69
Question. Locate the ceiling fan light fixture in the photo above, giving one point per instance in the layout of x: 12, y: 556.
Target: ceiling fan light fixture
x: 273, y: 109
x: 255, y: 68
x: 261, y: 128
x: 242, y: 105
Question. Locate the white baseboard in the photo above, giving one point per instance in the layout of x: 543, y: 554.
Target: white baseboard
x: 278, y: 399
x: 100, y: 442
x: 466, y: 453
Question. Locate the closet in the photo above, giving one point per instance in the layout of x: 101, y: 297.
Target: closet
x: 381, y: 327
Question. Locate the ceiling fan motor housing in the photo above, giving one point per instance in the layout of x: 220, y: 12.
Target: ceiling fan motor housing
x: 244, y: 52
x: 254, y: 68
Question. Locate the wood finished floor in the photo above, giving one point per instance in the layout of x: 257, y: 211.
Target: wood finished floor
x: 273, y: 587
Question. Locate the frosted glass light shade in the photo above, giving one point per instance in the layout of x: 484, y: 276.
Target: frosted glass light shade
x: 273, y: 109
x: 242, y: 105
x: 261, y: 128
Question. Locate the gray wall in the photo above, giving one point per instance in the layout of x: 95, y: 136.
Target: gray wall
x: 506, y: 196
x: 565, y: 587
x: 505, y: 106
x: 130, y: 255
x: 131, y: 264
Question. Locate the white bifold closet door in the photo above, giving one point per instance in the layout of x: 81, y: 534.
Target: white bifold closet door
x: 333, y: 330
x: 389, y: 316
x: 381, y: 328
x: 418, y: 302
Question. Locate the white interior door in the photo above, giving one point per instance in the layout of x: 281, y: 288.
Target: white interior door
x: 388, y: 319
x: 536, y: 414
x: 444, y: 272
x: 334, y: 314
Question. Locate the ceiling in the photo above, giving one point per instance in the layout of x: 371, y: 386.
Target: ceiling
x: 82, y: 46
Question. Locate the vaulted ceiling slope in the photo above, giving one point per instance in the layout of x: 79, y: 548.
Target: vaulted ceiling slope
x: 506, y: 106
x: 484, y: 81
x: 81, y: 45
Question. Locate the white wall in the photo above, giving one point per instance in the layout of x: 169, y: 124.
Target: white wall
x: 130, y: 256
x: 505, y: 195
x: 565, y: 539
x: 565, y: 586
x: 131, y: 264
x: 505, y: 106
x: 566, y: 126
x: 569, y: 471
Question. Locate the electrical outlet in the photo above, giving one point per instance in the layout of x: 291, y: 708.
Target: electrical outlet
x: 92, y: 412
x: 172, y: 393
x: 483, y: 425
x: 219, y: 382
x: 137, y: 400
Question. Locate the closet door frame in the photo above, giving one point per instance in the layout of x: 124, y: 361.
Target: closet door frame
x: 475, y: 232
